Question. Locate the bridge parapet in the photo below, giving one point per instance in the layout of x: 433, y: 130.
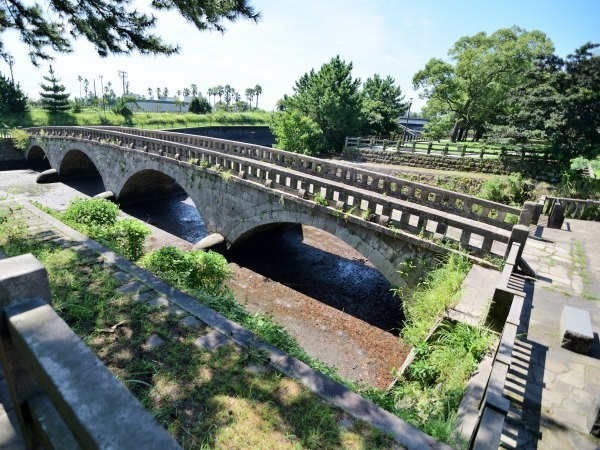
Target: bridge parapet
x: 392, y: 215
x: 491, y: 213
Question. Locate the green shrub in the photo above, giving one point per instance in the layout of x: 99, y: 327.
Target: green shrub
x: 194, y: 270
x: 127, y: 237
x: 579, y: 163
x: 93, y: 212
x: 512, y: 190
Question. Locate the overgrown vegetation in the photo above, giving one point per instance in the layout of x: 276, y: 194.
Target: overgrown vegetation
x: 20, y: 139
x: 93, y: 116
x: 98, y: 219
x: 511, y: 190
x: 429, y: 392
x: 206, y: 399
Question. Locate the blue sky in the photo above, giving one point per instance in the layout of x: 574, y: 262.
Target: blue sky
x: 388, y: 37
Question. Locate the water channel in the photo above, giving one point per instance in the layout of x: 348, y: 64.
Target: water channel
x: 336, y: 304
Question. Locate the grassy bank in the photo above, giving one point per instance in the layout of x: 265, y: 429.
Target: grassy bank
x: 448, y: 371
x: 89, y: 117
x: 227, y: 398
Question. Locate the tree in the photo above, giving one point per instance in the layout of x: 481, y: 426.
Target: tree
x: 200, y: 105
x: 257, y: 92
x: 382, y: 106
x: 158, y: 93
x: 150, y: 92
x: 186, y: 92
x: 482, y: 71
x: 194, y: 89
x: 12, y: 99
x: 165, y: 91
x: 112, y: 26
x: 219, y: 90
x: 54, y: 98
x: 295, y: 132
x: 560, y: 102
x: 249, y: 95
x: 331, y: 99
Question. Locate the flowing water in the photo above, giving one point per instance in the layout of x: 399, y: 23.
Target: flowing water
x: 336, y: 304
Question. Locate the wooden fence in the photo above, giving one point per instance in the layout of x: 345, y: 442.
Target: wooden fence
x: 462, y: 150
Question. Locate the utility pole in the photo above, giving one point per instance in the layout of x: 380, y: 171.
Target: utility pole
x: 123, y: 75
x: 103, y: 104
x: 11, y: 61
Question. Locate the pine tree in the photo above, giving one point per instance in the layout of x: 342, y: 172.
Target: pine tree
x: 54, y: 98
x: 12, y: 99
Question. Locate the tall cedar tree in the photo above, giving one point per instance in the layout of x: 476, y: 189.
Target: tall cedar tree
x: 12, y: 99
x: 54, y: 98
x: 112, y: 26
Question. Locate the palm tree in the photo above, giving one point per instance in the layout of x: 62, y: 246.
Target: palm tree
x: 219, y: 91
x: 227, y: 92
x: 158, y: 93
x: 186, y: 92
x: 150, y: 93
x: 249, y: 96
x: 194, y: 89
x: 257, y: 92
x: 80, y: 79
x: 166, y: 91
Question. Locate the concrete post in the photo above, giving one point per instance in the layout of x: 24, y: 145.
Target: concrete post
x: 519, y: 234
x: 527, y: 214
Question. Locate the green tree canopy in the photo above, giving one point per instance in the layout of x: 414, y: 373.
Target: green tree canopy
x: 112, y: 26
x: 481, y: 72
x: 560, y: 102
x: 382, y: 105
x: 331, y: 98
x: 54, y: 98
x: 199, y: 105
x: 12, y: 99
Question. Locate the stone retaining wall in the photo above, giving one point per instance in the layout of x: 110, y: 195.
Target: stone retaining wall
x: 10, y: 157
x: 546, y: 171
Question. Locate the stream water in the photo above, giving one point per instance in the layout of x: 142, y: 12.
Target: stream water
x: 337, y: 305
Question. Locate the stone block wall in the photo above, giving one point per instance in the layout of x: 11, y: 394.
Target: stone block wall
x: 547, y: 171
x: 10, y: 157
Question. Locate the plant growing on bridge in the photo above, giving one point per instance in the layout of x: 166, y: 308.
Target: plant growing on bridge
x: 320, y: 200
x: 20, y: 139
x: 128, y: 237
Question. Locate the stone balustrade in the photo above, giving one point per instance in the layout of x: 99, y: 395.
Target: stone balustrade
x: 342, y: 199
x: 62, y: 395
x: 463, y: 205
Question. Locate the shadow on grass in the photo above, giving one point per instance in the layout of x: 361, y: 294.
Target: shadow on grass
x: 204, y: 398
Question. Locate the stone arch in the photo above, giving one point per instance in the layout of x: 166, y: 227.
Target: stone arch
x: 76, y: 163
x: 147, y: 184
x: 36, y: 157
x: 384, y: 254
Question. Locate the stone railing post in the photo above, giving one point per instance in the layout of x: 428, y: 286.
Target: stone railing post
x: 527, y: 214
x: 519, y: 235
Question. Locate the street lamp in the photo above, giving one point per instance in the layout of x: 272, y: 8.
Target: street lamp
x: 406, y: 122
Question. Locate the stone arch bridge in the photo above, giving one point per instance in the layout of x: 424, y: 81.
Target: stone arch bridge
x: 242, y: 189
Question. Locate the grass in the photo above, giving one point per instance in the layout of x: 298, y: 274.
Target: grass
x: 90, y: 117
x: 226, y: 398
x: 423, y: 307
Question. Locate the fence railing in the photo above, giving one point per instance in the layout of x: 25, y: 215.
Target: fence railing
x: 488, y: 212
x: 5, y: 133
x: 574, y: 208
x: 343, y: 194
x: 62, y: 394
x: 463, y: 150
